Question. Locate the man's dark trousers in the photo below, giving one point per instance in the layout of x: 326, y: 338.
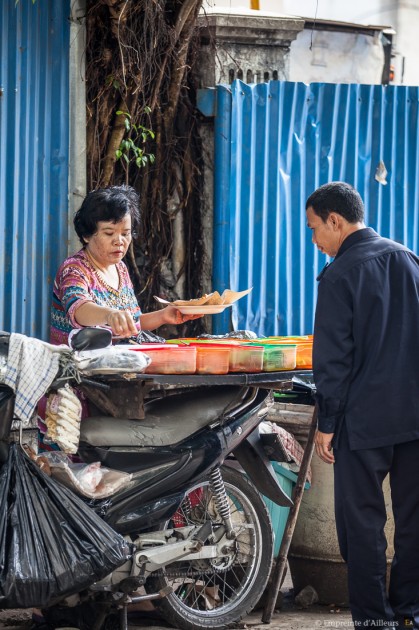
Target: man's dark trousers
x: 360, y: 519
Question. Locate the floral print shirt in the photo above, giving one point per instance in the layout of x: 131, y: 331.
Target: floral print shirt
x: 77, y: 282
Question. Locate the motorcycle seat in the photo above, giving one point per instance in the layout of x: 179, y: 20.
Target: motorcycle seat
x: 167, y: 421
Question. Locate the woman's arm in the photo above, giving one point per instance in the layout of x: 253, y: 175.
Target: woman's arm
x: 121, y: 322
x: 167, y: 315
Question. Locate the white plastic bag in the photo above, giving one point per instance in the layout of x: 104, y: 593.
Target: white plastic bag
x: 112, y: 360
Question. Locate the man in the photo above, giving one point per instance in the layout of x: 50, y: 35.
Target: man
x: 366, y: 370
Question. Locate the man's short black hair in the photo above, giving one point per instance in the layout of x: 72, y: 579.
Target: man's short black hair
x: 338, y: 197
x: 106, y: 204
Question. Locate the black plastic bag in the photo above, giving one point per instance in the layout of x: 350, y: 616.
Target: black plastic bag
x: 51, y: 543
x: 7, y: 399
x: 146, y: 336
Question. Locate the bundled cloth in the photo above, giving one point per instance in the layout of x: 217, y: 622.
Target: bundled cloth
x: 51, y: 543
x: 31, y: 368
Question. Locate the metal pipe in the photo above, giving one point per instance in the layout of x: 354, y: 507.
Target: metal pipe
x: 222, y: 150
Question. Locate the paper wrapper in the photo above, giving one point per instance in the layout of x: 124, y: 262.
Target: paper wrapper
x: 209, y: 299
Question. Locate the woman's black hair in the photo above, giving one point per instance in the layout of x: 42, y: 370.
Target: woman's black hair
x: 338, y: 197
x: 106, y: 204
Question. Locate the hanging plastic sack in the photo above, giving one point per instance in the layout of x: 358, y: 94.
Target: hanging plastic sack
x: 62, y: 417
x: 51, y: 543
x: 90, y: 480
x: 6, y: 416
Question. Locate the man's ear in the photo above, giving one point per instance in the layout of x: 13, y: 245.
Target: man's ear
x: 334, y: 219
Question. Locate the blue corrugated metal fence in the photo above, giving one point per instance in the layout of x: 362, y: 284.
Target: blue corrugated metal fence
x: 274, y: 144
x: 34, y: 131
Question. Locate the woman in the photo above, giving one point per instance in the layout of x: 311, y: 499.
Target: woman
x: 93, y: 287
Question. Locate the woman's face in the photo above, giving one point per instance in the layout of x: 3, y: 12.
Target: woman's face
x: 110, y: 243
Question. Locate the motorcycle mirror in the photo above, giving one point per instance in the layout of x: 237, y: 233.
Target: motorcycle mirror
x: 90, y: 338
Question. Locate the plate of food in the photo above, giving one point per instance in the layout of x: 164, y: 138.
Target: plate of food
x: 208, y: 304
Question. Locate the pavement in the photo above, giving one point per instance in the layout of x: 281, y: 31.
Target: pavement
x: 289, y: 617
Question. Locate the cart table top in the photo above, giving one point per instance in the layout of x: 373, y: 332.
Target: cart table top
x: 257, y: 379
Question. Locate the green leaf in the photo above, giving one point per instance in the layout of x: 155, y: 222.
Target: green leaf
x: 118, y: 153
x: 152, y: 158
x: 126, y: 158
x: 127, y: 124
x: 152, y: 134
x: 147, y: 109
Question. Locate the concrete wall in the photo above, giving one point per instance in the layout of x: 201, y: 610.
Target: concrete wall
x: 401, y: 15
x: 247, y: 46
x: 336, y: 57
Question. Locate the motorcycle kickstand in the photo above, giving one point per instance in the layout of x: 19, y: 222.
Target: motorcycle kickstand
x: 103, y: 611
x: 123, y: 618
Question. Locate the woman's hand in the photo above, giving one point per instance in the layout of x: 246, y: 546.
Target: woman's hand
x: 121, y: 323
x: 167, y: 315
x: 172, y: 315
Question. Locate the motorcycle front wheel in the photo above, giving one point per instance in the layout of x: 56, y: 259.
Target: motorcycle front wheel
x: 213, y: 593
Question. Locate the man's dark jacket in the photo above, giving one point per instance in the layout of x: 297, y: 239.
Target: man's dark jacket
x: 366, y: 342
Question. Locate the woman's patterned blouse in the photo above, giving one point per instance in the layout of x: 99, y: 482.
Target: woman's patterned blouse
x: 78, y: 282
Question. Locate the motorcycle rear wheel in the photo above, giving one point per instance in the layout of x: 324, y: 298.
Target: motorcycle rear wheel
x: 217, y: 592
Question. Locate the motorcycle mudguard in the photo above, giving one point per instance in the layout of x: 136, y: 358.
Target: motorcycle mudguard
x: 252, y: 458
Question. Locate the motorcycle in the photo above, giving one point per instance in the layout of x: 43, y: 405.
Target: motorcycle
x: 193, y: 508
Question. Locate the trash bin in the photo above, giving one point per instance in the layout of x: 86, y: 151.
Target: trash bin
x: 287, y: 480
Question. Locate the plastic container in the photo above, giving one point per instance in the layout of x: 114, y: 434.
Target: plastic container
x: 246, y: 358
x: 211, y: 359
x: 170, y: 359
x: 243, y: 357
x: 304, y: 355
x: 279, y: 514
x: 278, y: 356
x: 304, y: 358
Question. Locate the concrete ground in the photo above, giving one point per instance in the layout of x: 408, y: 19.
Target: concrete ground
x: 289, y: 617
